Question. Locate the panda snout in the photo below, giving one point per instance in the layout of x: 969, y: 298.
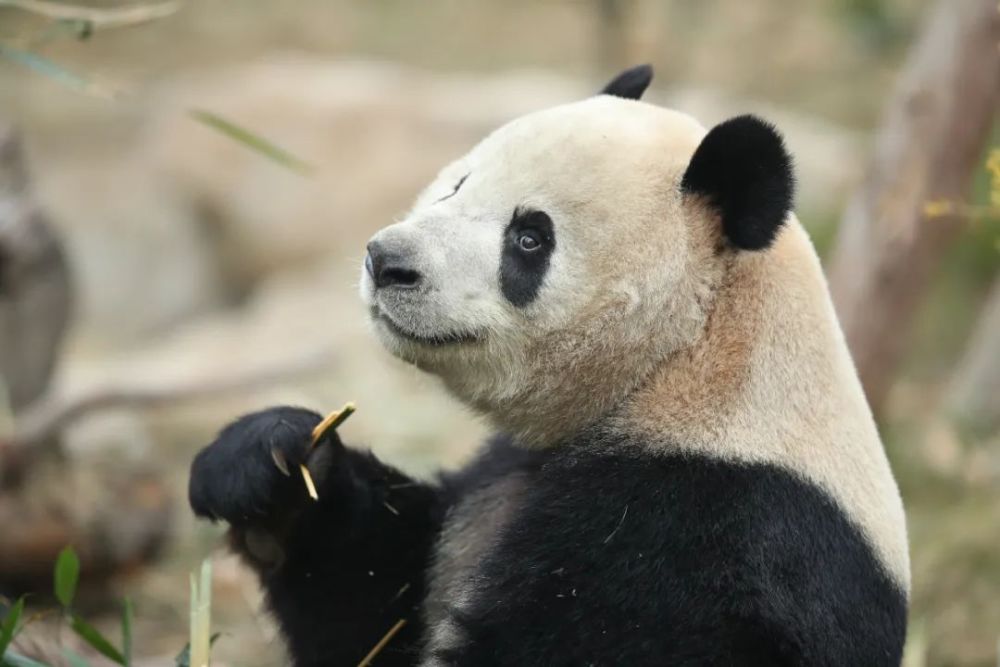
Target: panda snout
x: 391, y: 267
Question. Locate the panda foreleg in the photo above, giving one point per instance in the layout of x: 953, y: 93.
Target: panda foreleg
x: 338, y: 572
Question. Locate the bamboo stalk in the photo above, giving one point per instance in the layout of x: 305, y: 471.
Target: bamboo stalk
x: 201, y: 615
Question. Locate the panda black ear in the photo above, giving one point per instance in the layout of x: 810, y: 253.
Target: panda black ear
x: 631, y: 83
x: 743, y: 169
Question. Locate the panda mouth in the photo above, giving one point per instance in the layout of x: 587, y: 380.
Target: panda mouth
x: 437, y: 340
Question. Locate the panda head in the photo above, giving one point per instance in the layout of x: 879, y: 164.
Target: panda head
x: 544, y: 275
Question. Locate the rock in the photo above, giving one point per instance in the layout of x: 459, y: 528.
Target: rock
x: 35, y: 289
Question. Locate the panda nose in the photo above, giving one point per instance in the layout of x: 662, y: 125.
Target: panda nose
x: 390, y: 268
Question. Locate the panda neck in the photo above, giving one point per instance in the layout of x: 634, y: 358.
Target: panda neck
x: 772, y: 381
x: 770, y: 350
x: 768, y: 380
x: 768, y: 355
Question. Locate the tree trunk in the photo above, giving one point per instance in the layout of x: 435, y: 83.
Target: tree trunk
x: 973, y: 398
x: 927, y: 150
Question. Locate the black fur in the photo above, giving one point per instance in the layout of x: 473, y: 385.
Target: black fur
x: 498, y: 458
x: 613, y: 557
x: 621, y: 559
x: 631, y: 83
x: 522, y: 272
x: 743, y: 169
x: 352, y: 564
x: 236, y: 478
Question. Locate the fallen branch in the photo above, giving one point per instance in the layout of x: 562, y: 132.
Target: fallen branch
x: 36, y: 428
x: 113, y: 17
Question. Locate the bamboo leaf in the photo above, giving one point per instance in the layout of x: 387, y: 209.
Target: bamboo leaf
x: 97, y: 641
x: 183, y: 658
x: 127, y: 631
x: 8, y: 628
x: 11, y: 659
x: 46, y: 67
x: 66, y: 576
x: 252, y: 141
x: 75, y: 659
x: 6, y: 411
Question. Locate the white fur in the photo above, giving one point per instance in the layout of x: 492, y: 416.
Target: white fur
x: 640, y: 316
x: 619, y: 288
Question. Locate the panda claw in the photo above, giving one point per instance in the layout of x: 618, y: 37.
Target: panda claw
x: 280, y: 462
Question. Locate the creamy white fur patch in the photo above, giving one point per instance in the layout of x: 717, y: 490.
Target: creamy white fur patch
x: 795, y: 398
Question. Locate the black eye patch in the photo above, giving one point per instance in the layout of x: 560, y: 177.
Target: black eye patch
x: 528, y: 243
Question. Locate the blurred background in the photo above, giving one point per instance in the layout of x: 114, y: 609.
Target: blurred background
x: 186, y: 189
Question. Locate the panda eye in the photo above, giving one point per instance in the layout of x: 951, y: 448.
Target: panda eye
x: 530, y: 233
x: 528, y: 242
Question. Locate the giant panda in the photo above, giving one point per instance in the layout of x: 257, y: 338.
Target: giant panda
x: 685, y: 470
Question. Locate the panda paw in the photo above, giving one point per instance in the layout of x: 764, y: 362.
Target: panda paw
x: 250, y: 476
